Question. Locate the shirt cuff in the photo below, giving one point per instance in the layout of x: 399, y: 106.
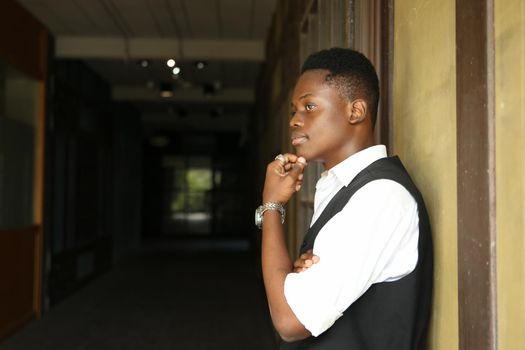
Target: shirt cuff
x: 315, y: 314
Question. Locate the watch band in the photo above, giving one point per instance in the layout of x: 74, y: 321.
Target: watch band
x: 268, y: 206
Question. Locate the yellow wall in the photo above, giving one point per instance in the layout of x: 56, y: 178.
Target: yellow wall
x: 425, y: 138
x: 510, y: 171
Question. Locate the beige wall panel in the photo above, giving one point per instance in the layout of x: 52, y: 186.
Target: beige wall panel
x: 424, y: 132
x: 510, y: 170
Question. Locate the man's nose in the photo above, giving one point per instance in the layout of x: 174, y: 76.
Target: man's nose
x: 296, y: 121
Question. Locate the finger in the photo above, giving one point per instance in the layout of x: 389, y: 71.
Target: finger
x: 280, y: 168
x: 289, y: 161
x: 299, y: 262
x: 278, y: 164
x: 306, y: 255
x: 315, y: 259
x: 290, y: 157
x: 297, y: 169
x: 298, y: 185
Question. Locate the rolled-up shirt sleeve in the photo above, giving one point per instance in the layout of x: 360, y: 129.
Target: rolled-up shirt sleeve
x: 373, y: 239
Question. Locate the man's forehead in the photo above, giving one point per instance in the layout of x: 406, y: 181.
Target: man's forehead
x: 301, y: 97
x: 315, y: 74
x: 309, y: 82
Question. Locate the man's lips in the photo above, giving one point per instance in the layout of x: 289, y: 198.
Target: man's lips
x: 298, y: 139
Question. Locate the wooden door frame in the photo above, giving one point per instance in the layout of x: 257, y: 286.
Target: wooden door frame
x: 475, y: 93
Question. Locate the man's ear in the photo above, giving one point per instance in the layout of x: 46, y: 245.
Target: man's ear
x: 357, y: 111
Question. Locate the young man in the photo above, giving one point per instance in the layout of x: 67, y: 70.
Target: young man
x: 371, y: 285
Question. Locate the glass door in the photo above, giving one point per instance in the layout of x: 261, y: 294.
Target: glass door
x: 188, y: 185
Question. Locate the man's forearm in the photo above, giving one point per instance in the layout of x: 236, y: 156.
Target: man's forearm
x: 276, y: 265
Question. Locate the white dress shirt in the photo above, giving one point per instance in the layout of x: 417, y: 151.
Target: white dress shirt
x: 373, y: 239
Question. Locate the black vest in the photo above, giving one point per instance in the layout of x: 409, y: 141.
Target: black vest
x: 389, y: 315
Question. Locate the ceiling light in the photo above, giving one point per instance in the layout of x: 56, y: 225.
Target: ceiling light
x: 176, y: 70
x: 166, y: 93
x: 171, y: 62
x: 166, y: 90
x: 144, y: 63
x: 200, y: 64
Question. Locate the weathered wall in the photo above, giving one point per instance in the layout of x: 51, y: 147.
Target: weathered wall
x: 424, y: 136
x: 510, y: 170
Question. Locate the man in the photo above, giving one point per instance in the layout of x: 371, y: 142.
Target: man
x: 371, y: 285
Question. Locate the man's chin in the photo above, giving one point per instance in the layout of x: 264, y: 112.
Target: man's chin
x: 307, y: 156
x: 300, y: 153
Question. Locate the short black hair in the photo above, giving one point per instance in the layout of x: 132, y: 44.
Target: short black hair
x: 351, y: 73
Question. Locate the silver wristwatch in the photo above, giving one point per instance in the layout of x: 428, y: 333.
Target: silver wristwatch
x: 268, y: 206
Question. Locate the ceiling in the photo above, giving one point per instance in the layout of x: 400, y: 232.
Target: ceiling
x: 115, y: 37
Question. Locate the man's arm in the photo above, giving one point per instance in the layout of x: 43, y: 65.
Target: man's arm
x: 282, y: 181
x: 276, y: 265
x: 373, y: 239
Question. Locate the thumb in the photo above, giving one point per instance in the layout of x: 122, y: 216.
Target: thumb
x: 298, y: 168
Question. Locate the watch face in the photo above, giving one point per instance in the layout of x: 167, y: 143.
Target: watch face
x: 258, y: 217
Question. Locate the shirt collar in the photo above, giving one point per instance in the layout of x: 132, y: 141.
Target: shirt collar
x: 346, y: 170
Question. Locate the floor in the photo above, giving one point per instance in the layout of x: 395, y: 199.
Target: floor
x: 161, y: 298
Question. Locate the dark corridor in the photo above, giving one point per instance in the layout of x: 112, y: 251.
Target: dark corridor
x: 196, y: 186
x: 168, y: 296
x: 128, y: 179
x: 150, y: 242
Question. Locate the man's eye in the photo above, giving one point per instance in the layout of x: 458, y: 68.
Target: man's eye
x: 309, y: 107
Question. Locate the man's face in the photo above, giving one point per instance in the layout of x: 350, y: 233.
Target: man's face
x: 320, y: 127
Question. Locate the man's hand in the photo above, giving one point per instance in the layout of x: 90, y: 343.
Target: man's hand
x: 283, y: 178
x: 305, y: 261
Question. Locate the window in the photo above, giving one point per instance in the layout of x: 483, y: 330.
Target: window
x: 18, y: 101
x: 189, y: 183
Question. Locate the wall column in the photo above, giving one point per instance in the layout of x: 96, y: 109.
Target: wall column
x: 476, y: 174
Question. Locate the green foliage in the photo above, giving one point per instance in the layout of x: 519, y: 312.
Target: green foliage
x: 192, y: 190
